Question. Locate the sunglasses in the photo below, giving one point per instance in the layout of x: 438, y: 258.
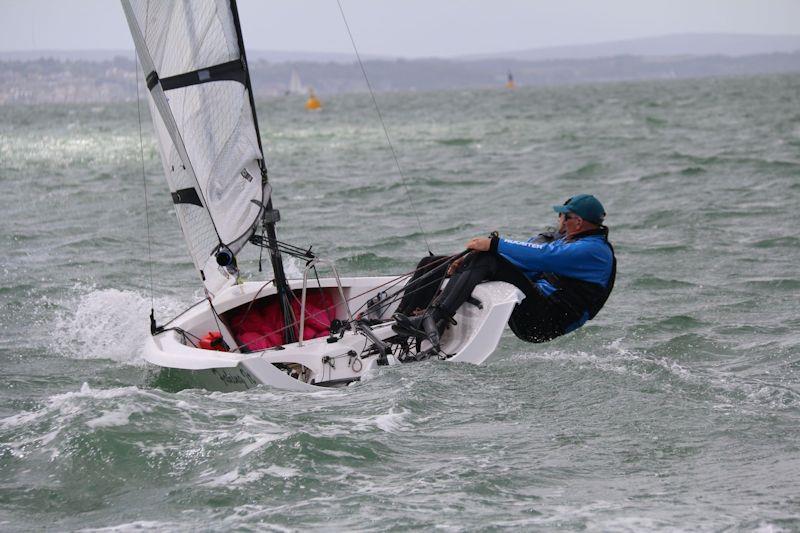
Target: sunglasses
x: 567, y: 216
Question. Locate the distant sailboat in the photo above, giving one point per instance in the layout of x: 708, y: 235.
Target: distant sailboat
x: 510, y: 84
x: 295, y: 85
x: 313, y: 102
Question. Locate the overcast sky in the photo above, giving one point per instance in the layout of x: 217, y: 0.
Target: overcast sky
x: 409, y: 28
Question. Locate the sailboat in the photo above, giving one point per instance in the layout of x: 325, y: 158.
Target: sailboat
x: 295, y: 85
x: 293, y: 334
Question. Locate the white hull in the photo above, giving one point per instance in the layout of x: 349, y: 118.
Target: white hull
x: 317, y: 362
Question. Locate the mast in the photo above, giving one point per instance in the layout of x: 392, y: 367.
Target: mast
x: 270, y: 216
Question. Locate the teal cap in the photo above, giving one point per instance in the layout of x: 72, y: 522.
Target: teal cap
x: 585, y: 206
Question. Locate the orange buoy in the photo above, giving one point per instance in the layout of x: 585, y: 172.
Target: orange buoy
x: 510, y: 84
x: 313, y: 102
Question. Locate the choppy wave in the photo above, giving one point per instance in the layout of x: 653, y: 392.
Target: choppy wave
x: 589, y: 169
x: 725, y: 391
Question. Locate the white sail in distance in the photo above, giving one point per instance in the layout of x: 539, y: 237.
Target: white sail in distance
x: 200, y: 104
x: 295, y: 85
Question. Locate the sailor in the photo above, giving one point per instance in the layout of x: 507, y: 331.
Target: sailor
x: 566, y: 277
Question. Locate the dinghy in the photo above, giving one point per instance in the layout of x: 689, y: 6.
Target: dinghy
x: 295, y: 85
x: 299, y: 334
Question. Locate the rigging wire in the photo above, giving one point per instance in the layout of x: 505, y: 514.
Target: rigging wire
x: 176, y: 317
x: 217, y: 318
x: 144, y: 184
x: 383, y: 125
x: 389, y: 300
x: 295, y: 323
x: 322, y: 312
x: 283, y: 247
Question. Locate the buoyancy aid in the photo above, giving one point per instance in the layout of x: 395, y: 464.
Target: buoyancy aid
x: 578, y: 297
x: 571, y: 290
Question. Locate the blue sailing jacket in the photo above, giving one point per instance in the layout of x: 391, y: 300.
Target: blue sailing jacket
x: 576, y: 274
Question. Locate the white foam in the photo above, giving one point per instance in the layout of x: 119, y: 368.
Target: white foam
x: 65, y: 408
x: 120, y: 417
x: 390, y: 422
x: 20, y: 419
x: 726, y: 386
x: 368, y: 375
x: 342, y: 455
x: 291, y: 268
x: 616, y: 362
x: 58, y: 402
x: 104, y: 324
x: 257, y: 514
x: 282, y: 471
x: 234, y: 478
x: 331, y: 431
x: 156, y: 450
x: 139, y: 525
x: 239, y: 397
x: 581, y: 358
x: 258, y: 443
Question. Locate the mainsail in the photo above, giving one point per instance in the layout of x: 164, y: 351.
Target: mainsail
x: 201, y: 107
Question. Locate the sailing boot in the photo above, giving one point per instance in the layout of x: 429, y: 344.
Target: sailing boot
x: 429, y: 326
x: 434, y: 324
x: 408, y: 326
x: 432, y: 329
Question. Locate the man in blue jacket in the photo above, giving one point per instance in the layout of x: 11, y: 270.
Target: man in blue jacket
x: 566, y: 278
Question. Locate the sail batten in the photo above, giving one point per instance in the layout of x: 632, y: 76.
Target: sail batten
x: 204, y: 121
x: 232, y: 71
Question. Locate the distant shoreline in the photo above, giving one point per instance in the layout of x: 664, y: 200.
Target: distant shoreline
x: 86, y: 81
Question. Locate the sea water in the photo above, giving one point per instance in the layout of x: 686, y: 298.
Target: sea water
x: 678, y: 407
